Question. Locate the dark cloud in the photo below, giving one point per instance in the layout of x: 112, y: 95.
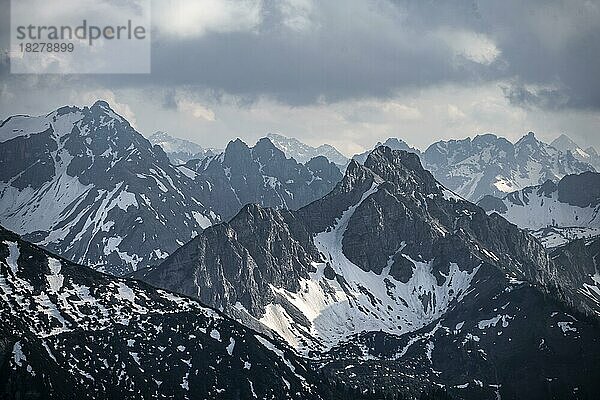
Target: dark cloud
x: 350, y: 50
x: 551, y: 44
x: 376, y: 48
x: 549, y: 99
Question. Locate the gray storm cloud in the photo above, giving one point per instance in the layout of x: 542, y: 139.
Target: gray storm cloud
x: 302, y: 51
x: 544, y: 55
x: 352, y: 49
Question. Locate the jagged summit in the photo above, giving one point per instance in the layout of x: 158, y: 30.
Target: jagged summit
x: 102, y: 104
x: 589, y: 155
x: 564, y: 142
x: 354, y: 172
x: 236, y: 144
x: 264, y: 148
x: 402, y: 168
x: 261, y: 174
x: 267, y: 142
x: 392, y: 143
x: 529, y: 136
x: 395, y: 143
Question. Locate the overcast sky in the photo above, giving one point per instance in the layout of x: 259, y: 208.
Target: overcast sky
x: 348, y: 72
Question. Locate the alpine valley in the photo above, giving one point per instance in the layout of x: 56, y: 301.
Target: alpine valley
x: 134, y: 268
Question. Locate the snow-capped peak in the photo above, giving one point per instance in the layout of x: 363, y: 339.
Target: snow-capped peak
x: 566, y: 144
x: 93, y: 189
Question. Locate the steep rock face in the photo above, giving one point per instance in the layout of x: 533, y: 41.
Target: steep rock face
x: 83, y: 183
x: 412, y: 212
x: 398, y: 284
x: 578, y: 263
x: 381, y: 224
x: 236, y: 262
x: 490, y: 165
x: 581, y: 190
x: 323, y: 212
x: 70, y: 332
x: 554, y: 213
x: 263, y: 175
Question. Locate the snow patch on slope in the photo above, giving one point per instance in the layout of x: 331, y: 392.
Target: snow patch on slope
x: 359, y: 301
x: 540, y: 211
x: 55, y: 279
x: 13, y: 256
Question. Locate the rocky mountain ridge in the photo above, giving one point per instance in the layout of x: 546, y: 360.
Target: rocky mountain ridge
x: 117, y: 203
x: 589, y: 155
x: 492, y: 165
x: 388, y: 219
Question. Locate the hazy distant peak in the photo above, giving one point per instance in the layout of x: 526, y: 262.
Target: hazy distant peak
x: 302, y: 152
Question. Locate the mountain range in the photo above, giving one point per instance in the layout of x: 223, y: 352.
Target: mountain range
x: 491, y: 165
x: 473, y: 168
x: 260, y: 174
x: 129, y: 269
x: 389, y: 262
x: 84, y: 184
x: 589, y: 155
